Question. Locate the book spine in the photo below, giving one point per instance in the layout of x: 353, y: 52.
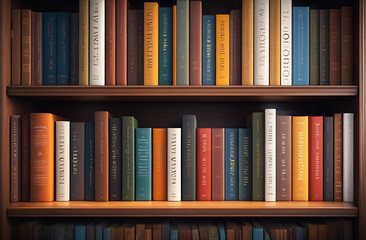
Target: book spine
x: 222, y: 49
x: 245, y: 164
x: 121, y: 42
x: 16, y: 47
x: 115, y: 159
x: 49, y: 44
x: 37, y: 49
x: 174, y: 164
x: 328, y: 169
x: 300, y: 136
x: 300, y: 34
x: 204, y: 164
x: 159, y: 164
x: 183, y: 42
x: 338, y: 158
x: 140, y: 47
x: 314, y: 47
x: 26, y: 47
x: 347, y: 45
x: 261, y: 42
x: 74, y: 49
x: 258, y: 156
x: 315, y: 158
x: 286, y: 42
x: 165, y: 46
x: 132, y: 68
x: 174, y: 45
x: 189, y: 126
x: 15, y: 158
x: 110, y: 42
x: 62, y: 161
x: 348, y: 157
x: 63, y: 49
x: 77, y: 157
x: 195, y: 68
x: 89, y: 162
x: 275, y: 43
x: 25, y: 158
x: 208, y: 50
x: 235, y: 47
x: 231, y: 164
x: 84, y: 42
x: 143, y: 164
x: 97, y: 43
x: 218, y: 164
x: 324, y: 46
x: 270, y: 155
x: 335, y: 46
x: 247, y: 42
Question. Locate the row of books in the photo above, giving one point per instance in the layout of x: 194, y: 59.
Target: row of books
x: 276, y: 158
x: 242, y: 229
x: 265, y: 43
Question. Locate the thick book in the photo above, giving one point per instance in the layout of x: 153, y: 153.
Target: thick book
x: 247, y: 41
x: 300, y: 160
x: 195, y: 45
x: 189, y: 126
x: 26, y: 47
x: 165, y: 46
x: 63, y: 48
x: 316, y: 158
x: 338, y: 157
x: 348, y: 157
x: 143, y: 164
x: 36, y: 48
x: 218, y: 164
x: 258, y: 231
x: 49, y: 44
x: 89, y: 162
x: 115, y: 159
x: 247, y: 231
x: 300, y: 44
x: 74, y: 48
x: 182, y: 42
x: 97, y: 43
x: 159, y: 164
x: 261, y: 42
x: 16, y: 46
x: 245, y: 164
x: 84, y: 42
x: 121, y: 42
x: 314, y: 47
x: 335, y: 46
x: 15, y: 158
x: 275, y: 42
x: 62, y: 160
x: 328, y: 159
x: 77, y: 158
x: 347, y: 45
x: 174, y: 45
x: 174, y: 164
x: 235, y: 48
x: 110, y: 42
x: 231, y: 164
x: 222, y: 49
x: 286, y: 42
x: 151, y: 43
x: 270, y: 155
x: 324, y: 46
x: 283, y: 159
x: 129, y: 124
x: 25, y: 155
x: 209, y: 50
x: 204, y: 164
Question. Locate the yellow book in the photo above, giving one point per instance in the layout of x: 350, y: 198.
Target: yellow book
x: 174, y: 45
x: 300, y: 159
x: 222, y: 49
x: 84, y: 42
x: 275, y: 42
x: 247, y: 42
x: 151, y: 43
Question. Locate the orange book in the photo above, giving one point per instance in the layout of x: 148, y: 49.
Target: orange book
x: 159, y: 164
x: 300, y: 158
x: 175, y: 45
x: 247, y: 42
x: 275, y: 42
x: 222, y: 49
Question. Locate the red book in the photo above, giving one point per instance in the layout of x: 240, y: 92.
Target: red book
x: 204, y: 164
x: 218, y: 164
x: 121, y: 42
x: 316, y: 158
x: 195, y: 43
x: 110, y: 42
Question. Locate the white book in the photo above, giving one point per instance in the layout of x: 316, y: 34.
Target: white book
x: 348, y: 157
x: 62, y: 164
x: 97, y: 43
x: 270, y: 155
x: 286, y: 42
x: 261, y: 42
x: 174, y: 164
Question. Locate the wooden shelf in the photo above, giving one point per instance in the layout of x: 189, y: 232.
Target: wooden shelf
x: 182, y: 209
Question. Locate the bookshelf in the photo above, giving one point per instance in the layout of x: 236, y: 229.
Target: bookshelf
x: 210, y: 102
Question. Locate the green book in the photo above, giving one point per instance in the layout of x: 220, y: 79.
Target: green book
x: 213, y: 232
x: 183, y: 42
x: 314, y: 47
x: 129, y: 124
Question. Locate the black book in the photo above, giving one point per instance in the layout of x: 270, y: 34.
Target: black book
x: 77, y: 158
x: 115, y: 159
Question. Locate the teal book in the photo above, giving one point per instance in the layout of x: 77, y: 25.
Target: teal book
x: 209, y: 50
x: 183, y: 42
x: 222, y: 232
x: 143, y: 164
x: 63, y: 49
x: 231, y: 164
x: 129, y: 124
x: 106, y: 233
x: 165, y: 46
x: 174, y: 232
x: 80, y: 232
x: 258, y: 231
x: 49, y: 43
x: 245, y: 164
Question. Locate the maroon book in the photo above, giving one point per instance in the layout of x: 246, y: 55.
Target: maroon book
x: 235, y: 47
x: 121, y: 43
x: 25, y: 159
x: 347, y: 45
x: 338, y: 158
x: 335, y: 46
x: 195, y: 43
x: 218, y: 164
x: 15, y: 165
x: 110, y: 42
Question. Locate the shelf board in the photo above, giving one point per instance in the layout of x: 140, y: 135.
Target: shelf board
x: 182, y: 209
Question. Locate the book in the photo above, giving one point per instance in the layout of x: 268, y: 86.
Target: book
x: 62, y: 168
x: 156, y: 231
x: 270, y: 155
x: 74, y: 48
x: 204, y: 164
x: 115, y: 159
x: 89, y: 162
x: 235, y: 48
x: 348, y: 157
x: 165, y: 46
x: 15, y: 158
x: 247, y: 42
x: 77, y: 158
x: 314, y: 47
x: 63, y: 49
x: 165, y: 230
x: 300, y: 160
x: 36, y: 48
x: 143, y: 164
x: 80, y: 232
x: 258, y: 231
x: 121, y: 42
x: 110, y: 42
x: 328, y: 159
x: 324, y: 46
x: 174, y: 164
x: 195, y: 45
x: 151, y: 43
x: 26, y: 47
x: 25, y: 155
x: 221, y: 229
x: 218, y: 164
x: 49, y: 44
x: 182, y: 42
x: 189, y: 163
x: 275, y: 42
x: 347, y: 45
x: 247, y: 230
x: 140, y: 231
x: 338, y: 157
x: 16, y: 47
x: 222, y: 49
x: 261, y: 42
x: 97, y: 43
x: 84, y: 42
x: 335, y: 46
x: 213, y: 232
x: 300, y: 45
x: 208, y: 50
x: 195, y: 232
x: 174, y: 45
x: 159, y: 164
x: 245, y: 164
x: 286, y: 42
x: 231, y: 164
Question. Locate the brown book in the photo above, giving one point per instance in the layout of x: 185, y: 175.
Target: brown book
x: 235, y: 48
x: 230, y: 231
x: 129, y: 230
x: 335, y: 46
x: 313, y: 231
x: 218, y: 164
x: 25, y: 158
x: 101, y: 155
x: 36, y: 48
x: 26, y: 47
x: 322, y: 231
x: 121, y: 43
x: 156, y: 231
x: 247, y: 231
x: 15, y: 156
x: 203, y: 230
x: 110, y: 42
x: 283, y: 159
x: 195, y: 43
x: 140, y: 231
x: 347, y: 45
x: 148, y: 232
x: 338, y: 158
x: 113, y: 231
x: 16, y: 47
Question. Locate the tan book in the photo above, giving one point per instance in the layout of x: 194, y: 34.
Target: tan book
x: 275, y: 42
x: 247, y: 42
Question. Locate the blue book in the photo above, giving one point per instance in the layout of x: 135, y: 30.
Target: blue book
x: 258, y: 231
x: 231, y: 164
x: 49, y: 43
x: 165, y: 228
x: 183, y: 42
x: 143, y: 164
x: 299, y: 231
x: 89, y: 162
x: 74, y: 49
x: 99, y: 230
x: 209, y: 50
x: 245, y: 164
x: 63, y: 49
x: 222, y: 232
x: 80, y: 232
x: 266, y: 235
x: 174, y: 233
x: 300, y: 46
x: 106, y: 233
x: 165, y: 46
